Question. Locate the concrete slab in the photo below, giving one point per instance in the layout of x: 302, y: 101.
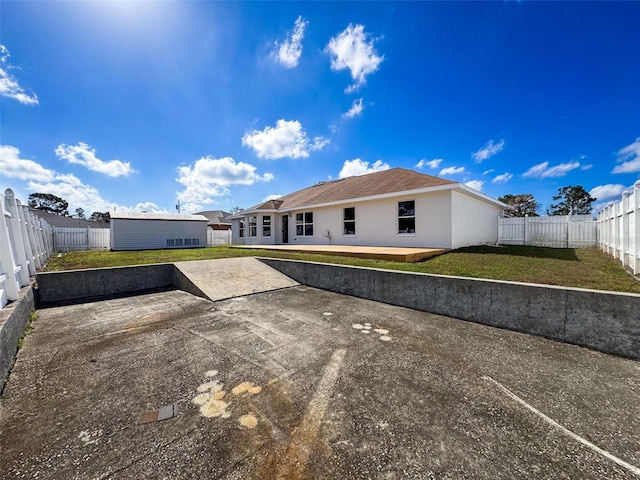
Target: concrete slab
x: 394, y: 254
x: 286, y: 384
x: 233, y: 277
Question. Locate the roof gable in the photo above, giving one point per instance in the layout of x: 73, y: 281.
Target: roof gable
x: 394, y: 180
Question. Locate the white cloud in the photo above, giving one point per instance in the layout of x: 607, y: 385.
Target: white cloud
x: 286, y: 139
x: 505, y: 177
x: 355, y: 110
x: 44, y: 180
x: 83, y: 154
x: 75, y: 192
x: 488, y: 151
x: 605, y: 192
x: 149, y: 207
x: 209, y: 177
x: 271, y: 197
x: 288, y: 54
x: 9, y: 86
x: 356, y: 167
x: 542, y: 170
x: 353, y: 50
x: 435, y: 163
x: 487, y: 172
x: 630, y: 158
x: 475, y: 184
x: 12, y: 166
x: 451, y: 171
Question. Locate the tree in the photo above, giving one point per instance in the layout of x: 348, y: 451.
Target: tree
x: 521, y: 205
x: 49, y: 203
x: 80, y: 212
x: 100, y: 217
x: 573, y: 201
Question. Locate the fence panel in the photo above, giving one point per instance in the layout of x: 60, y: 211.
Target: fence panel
x: 25, y: 245
x: 67, y: 239
x: 576, y: 231
x: 218, y: 237
x: 619, y: 226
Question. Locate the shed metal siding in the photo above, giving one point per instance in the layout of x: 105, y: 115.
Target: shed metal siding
x: 130, y: 234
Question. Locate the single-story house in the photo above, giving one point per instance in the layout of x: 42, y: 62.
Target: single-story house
x: 217, y: 219
x: 395, y: 207
x: 149, y: 231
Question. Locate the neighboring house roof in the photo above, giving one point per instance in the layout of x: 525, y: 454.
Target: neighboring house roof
x: 386, y: 182
x: 67, y: 222
x: 124, y: 215
x: 216, y: 217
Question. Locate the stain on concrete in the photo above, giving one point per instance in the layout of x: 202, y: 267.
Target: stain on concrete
x: 246, y: 387
x: 248, y: 421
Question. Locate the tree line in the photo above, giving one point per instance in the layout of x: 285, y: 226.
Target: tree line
x: 571, y: 200
x: 48, y: 202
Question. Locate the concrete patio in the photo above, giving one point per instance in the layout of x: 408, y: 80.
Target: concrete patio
x: 287, y: 381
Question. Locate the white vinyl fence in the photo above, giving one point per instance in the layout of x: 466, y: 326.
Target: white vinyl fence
x: 218, y: 237
x: 66, y: 239
x: 569, y: 231
x: 26, y: 243
x: 619, y: 225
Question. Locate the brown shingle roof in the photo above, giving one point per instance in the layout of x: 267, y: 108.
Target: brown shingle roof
x: 379, y: 183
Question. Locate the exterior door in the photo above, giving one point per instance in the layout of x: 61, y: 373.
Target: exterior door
x: 285, y: 229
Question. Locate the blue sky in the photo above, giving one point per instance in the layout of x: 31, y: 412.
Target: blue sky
x: 136, y: 105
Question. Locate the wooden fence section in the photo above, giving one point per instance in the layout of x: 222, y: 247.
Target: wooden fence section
x: 569, y: 231
x: 66, y: 239
x: 26, y: 243
x: 619, y: 225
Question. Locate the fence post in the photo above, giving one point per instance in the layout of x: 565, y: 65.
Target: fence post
x: 18, y: 240
x: 28, y: 246
x: 625, y: 229
x: 525, y: 228
x: 6, y: 256
x: 636, y: 213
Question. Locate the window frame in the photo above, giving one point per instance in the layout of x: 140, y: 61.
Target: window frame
x: 253, y: 226
x: 266, y: 225
x: 351, y: 221
x: 404, y: 218
x: 241, y: 229
x: 304, y: 224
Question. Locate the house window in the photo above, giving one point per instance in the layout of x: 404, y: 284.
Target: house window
x: 171, y: 242
x: 253, y: 226
x: 179, y: 242
x: 266, y: 226
x: 349, y: 221
x: 195, y: 241
x: 187, y: 242
x: 407, y: 217
x: 241, y: 231
x: 304, y: 224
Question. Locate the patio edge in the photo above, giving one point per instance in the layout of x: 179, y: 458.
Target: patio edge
x: 604, y: 321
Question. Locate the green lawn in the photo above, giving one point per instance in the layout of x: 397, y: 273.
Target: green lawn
x: 579, y: 267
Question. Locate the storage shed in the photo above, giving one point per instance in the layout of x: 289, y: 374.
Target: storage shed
x: 153, y: 231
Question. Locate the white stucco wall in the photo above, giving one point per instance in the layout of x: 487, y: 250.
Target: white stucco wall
x: 377, y: 223
x: 475, y: 222
x: 134, y: 234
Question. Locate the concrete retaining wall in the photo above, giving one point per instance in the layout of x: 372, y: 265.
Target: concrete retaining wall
x: 605, y: 321
x: 13, y: 321
x: 75, y: 285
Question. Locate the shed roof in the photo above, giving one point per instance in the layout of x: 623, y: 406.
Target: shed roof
x: 127, y: 215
